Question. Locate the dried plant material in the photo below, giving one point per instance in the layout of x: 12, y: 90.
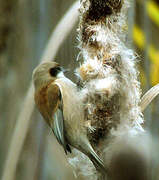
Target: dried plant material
x: 148, y: 97
x: 109, y: 79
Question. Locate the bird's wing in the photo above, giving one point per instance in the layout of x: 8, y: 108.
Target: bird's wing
x: 58, y: 125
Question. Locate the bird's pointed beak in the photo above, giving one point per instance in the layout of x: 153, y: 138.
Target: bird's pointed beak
x: 65, y: 70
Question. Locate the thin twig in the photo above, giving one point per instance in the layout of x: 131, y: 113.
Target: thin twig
x: 22, y: 124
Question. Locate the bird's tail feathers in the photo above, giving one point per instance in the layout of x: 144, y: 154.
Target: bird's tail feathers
x: 98, y: 163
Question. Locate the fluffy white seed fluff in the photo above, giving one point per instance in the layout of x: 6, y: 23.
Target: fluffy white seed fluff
x: 110, y: 81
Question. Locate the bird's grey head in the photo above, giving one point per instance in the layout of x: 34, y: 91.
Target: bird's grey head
x: 46, y: 73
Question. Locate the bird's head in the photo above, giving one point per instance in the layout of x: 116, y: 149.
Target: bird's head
x: 46, y: 72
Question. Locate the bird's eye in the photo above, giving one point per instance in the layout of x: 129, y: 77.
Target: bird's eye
x: 54, y: 71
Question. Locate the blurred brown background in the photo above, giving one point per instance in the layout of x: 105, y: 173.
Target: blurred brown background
x: 25, y: 27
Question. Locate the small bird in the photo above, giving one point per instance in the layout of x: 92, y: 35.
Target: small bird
x: 59, y: 101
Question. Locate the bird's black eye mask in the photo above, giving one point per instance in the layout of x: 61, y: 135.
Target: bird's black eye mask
x: 54, y: 71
